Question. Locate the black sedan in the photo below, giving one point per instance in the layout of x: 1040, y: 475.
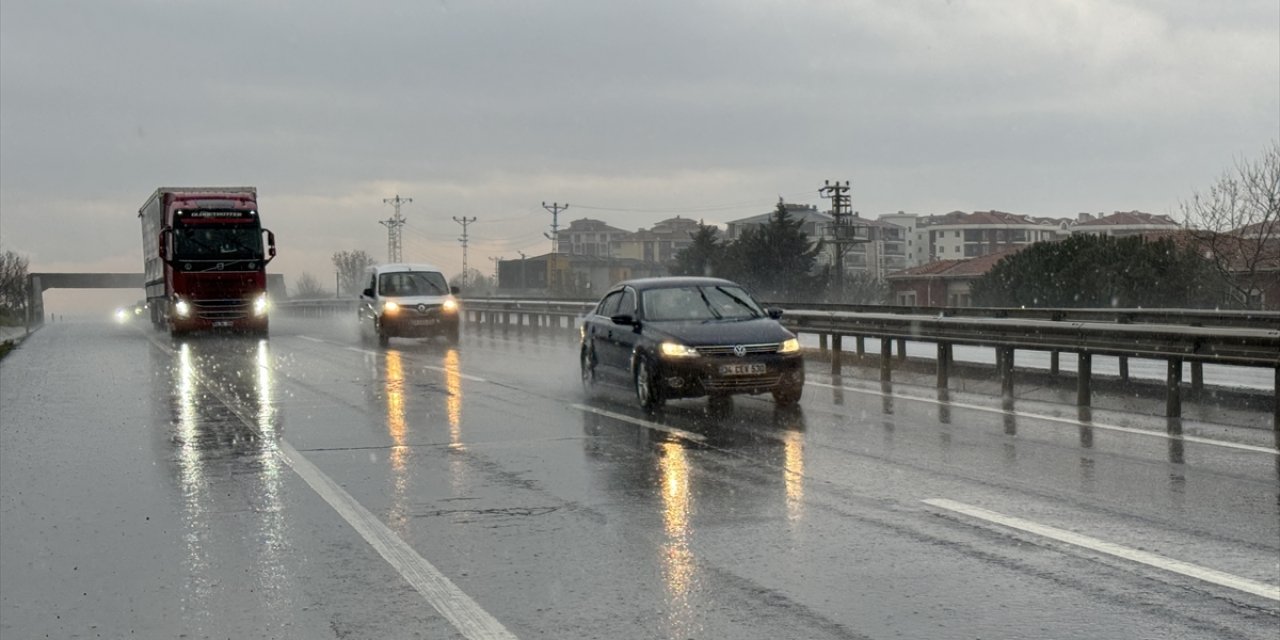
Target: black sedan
x: 689, y: 337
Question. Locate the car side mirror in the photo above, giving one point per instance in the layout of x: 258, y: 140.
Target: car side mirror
x: 454, y: 290
x: 624, y: 319
x: 774, y: 312
x: 368, y: 293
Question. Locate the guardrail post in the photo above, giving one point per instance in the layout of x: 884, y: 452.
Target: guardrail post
x: 1124, y: 368
x: 902, y: 349
x: 1173, y: 399
x: 1084, y: 379
x: 1005, y: 362
x: 886, y: 355
x: 1275, y: 402
x: 822, y: 343
x: 944, y: 365
x: 860, y: 343
x: 1197, y: 377
x: 1053, y: 363
x: 837, y: 350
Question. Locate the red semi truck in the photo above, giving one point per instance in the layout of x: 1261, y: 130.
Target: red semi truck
x: 205, y: 260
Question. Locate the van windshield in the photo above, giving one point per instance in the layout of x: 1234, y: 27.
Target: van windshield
x: 412, y: 283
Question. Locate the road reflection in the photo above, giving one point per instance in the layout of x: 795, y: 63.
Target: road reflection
x: 218, y: 396
x: 678, y: 565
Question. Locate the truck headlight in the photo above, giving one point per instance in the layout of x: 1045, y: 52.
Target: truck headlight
x: 260, y: 305
x: 677, y: 350
x: 790, y: 345
x: 182, y: 308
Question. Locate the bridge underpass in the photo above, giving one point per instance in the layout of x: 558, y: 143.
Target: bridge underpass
x: 38, y: 283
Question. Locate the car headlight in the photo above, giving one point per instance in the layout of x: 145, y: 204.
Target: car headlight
x: 121, y: 315
x: 450, y: 306
x: 390, y: 307
x: 182, y: 308
x: 260, y: 305
x: 790, y: 345
x: 677, y: 350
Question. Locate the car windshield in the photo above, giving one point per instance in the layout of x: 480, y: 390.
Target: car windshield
x: 699, y: 303
x: 412, y: 283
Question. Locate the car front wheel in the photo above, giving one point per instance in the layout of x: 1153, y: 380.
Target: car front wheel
x: 588, y: 371
x: 787, y: 396
x: 647, y: 391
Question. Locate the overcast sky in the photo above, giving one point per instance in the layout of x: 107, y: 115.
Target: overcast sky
x: 632, y: 112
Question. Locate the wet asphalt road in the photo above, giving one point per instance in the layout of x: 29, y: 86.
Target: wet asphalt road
x: 311, y: 486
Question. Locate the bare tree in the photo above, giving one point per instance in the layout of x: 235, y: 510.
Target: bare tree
x: 13, y: 287
x: 351, y: 266
x: 1236, y: 225
x: 474, y: 283
x: 307, y: 287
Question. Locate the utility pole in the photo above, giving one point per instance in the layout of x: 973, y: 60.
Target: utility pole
x: 554, y: 236
x: 840, y: 234
x: 523, y: 282
x: 497, y: 273
x: 464, y: 221
x: 393, y: 225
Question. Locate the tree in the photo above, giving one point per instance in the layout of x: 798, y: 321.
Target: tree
x: 307, y: 287
x: 703, y: 256
x: 13, y: 288
x: 776, y: 260
x: 351, y: 266
x: 475, y: 284
x: 865, y: 288
x: 1100, y: 271
x: 1236, y: 225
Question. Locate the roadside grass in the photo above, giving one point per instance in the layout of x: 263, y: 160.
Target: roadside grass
x: 5, y: 348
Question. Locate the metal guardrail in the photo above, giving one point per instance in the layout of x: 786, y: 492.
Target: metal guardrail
x: 1246, y: 338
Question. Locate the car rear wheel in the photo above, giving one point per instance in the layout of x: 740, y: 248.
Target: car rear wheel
x: 647, y: 392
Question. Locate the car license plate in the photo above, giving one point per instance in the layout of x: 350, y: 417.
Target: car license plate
x: 425, y: 322
x: 221, y: 323
x: 742, y: 369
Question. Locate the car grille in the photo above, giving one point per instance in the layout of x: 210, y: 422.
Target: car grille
x: 727, y: 350
x: 216, y: 310
x: 730, y: 384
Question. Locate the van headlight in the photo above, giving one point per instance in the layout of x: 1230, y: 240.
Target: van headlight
x: 450, y: 306
x: 790, y: 345
x: 182, y: 308
x: 260, y: 305
x: 390, y: 307
x: 677, y: 350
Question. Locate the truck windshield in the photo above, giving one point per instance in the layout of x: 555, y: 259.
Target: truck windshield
x: 218, y: 242
x: 412, y: 283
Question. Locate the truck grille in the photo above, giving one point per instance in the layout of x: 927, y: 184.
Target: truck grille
x: 217, y: 310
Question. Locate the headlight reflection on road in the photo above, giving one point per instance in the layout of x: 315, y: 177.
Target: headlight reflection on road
x: 793, y: 452
x: 453, y: 412
x: 199, y: 586
x: 677, y: 557
x: 397, y: 428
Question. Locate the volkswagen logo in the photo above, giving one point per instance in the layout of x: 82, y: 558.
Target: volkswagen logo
x: 739, y: 350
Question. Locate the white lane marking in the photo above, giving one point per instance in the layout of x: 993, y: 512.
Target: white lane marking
x: 309, y: 338
x: 464, y: 613
x: 1049, y: 418
x: 447, y: 370
x: 688, y: 435
x: 440, y: 592
x: 1160, y: 562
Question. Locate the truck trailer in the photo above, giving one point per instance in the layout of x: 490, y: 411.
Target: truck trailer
x: 205, y: 260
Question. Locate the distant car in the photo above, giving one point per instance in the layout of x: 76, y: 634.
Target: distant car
x: 130, y: 313
x: 689, y: 337
x: 408, y: 301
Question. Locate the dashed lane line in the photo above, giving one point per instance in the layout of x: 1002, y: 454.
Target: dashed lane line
x: 653, y: 426
x: 1213, y: 576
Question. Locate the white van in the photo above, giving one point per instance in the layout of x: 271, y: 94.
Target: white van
x: 409, y: 301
